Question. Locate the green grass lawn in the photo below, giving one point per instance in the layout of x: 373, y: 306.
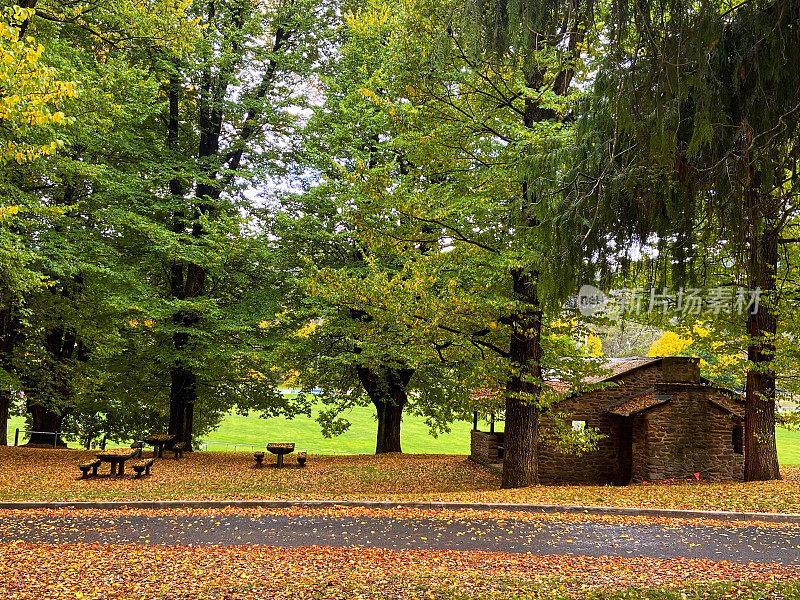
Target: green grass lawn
x: 788, y: 446
x: 360, y: 438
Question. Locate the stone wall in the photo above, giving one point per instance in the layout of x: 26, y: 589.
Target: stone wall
x: 680, y: 370
x: 603, y: 464
x: 483, y: 446
x: 686, y: 435
x: 640, y: 448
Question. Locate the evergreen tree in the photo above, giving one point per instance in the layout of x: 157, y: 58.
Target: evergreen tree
x: 693, y: 141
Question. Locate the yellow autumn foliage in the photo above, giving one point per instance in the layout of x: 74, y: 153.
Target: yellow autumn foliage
x: 306, y: 330
x: 595, y: 345
x: 669, y: 344
x: 30, y: 94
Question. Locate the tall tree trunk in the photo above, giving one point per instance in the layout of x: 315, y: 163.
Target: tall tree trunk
x: 182, y: 396
x: 389, y: 416
x: 761, y: 453
x: 44, y: 423
x: 217, y: 169
x: 520, y: 464
x: 183, y: 382
x: 387, y: 389
x: 10, y: 335
x: 5, y: 402
x: 186, y: 281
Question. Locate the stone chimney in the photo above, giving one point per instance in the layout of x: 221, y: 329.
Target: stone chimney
x: 680, y: 369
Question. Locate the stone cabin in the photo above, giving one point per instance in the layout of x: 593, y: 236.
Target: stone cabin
x: 660, y: 420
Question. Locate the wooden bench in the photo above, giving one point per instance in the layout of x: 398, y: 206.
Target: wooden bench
x: 138, y: 445
x: 177, y: 449
x: 85, y: 467
x: 142, y: 466
x: 259, y: 458
x: 302, y: 457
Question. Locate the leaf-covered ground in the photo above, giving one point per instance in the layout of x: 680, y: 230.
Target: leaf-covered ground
x: 411, y: 529
x: 398, y: 512
x: 42, y: 474
x: 116, y: 571
x: 111, y: 572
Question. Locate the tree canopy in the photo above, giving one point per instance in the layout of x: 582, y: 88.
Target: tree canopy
x: 204, y: 201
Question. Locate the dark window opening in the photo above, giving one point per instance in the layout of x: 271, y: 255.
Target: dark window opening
x: 737, y: 439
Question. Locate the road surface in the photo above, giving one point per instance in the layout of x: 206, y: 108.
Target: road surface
x: 735, y: 543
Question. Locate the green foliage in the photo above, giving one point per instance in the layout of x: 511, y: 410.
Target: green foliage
x: 124, y: 204
x: 61, y: 276
x: 688, y: 137
x: 332, y: 330
x: 407, y: 243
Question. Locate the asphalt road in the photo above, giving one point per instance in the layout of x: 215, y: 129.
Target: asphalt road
x: 739, y: 544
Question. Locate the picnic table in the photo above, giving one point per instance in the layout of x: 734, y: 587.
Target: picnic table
x: 280, y: 449
x: 117, y: 458
x: 159, y: 441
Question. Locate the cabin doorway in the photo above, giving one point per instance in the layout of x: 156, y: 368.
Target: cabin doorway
x: 625, y: 450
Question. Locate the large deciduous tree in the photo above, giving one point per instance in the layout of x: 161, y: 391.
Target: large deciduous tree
x: 502, y: 100
x: 69, y: 325
x: 157, y: 288
x: 340, y: 344
x: 459, y: 222
x: 228, y: 120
